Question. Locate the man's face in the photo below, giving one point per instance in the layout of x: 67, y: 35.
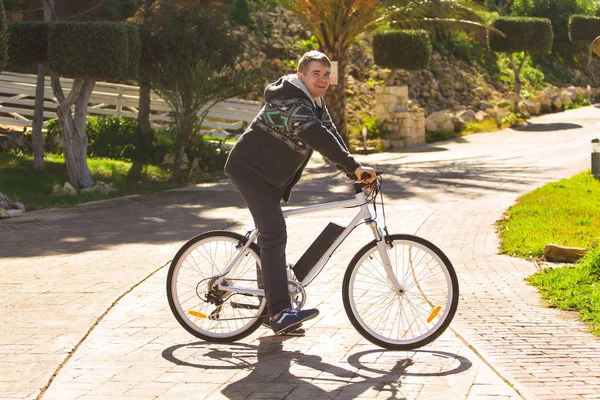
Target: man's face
x: 316, y: 79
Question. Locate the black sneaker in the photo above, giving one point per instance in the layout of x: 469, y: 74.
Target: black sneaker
x: 289, y: 320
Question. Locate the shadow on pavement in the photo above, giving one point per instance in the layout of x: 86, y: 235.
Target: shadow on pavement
x: 556, y: 126
x: 159, y: 218
x: 172, y: 216
x: 287, y: 371
x: 410, y: 179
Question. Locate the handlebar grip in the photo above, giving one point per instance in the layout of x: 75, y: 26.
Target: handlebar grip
x: 365, y: 175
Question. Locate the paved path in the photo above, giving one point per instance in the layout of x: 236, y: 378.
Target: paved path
x: 83, y: 303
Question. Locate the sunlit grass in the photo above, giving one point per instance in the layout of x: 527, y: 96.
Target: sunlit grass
x: 565, y: 213
x: 21, y: 183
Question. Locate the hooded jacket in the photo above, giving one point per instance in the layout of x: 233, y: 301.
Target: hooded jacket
x: 280, y: 140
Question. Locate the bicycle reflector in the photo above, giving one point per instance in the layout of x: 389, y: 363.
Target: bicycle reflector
x: 197, y: 314
x: 435, y: 312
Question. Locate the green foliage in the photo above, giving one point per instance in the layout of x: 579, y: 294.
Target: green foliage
x: 533, y: 35
x: 376, y: 129
x: 583, y: 28
x: 557, y: 11
x: 22, y: 183
x: 97, y: 49
x: 3, y: 37
x: 564, y: 213
x: 574, y: 288
x: 532, y: 78
x: 108, y: 137
x: 516, y: 119
x: 28, y: 42
x: 134, y: 50
x: 402, y: 49
x: 462, y: 46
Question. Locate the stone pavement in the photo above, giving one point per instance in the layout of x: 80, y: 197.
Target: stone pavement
x: 84, y: 312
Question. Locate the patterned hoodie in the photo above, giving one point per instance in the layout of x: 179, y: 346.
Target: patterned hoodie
x: 280, y: 140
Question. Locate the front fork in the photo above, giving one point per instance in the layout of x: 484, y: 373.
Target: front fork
x: 383, y: 247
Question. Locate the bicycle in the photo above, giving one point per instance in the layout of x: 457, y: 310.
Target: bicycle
x: 399, y: 291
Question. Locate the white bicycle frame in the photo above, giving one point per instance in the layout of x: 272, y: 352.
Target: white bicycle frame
x: 363, y: 214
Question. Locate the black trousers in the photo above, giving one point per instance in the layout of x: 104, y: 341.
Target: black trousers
x: 264, y: 205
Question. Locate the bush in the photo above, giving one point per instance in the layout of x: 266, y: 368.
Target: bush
x: 211, y: 155
x: 3, y: 37
x: 402, y: 49
x: 557, y: 11
x: 533, y: 35
x: 134, y: 51
x: 108, y: 137
x: 97, y: 49
x: 28, y: 43
x: 583, y: 28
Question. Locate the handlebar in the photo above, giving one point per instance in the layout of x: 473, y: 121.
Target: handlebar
x: 358, y: 186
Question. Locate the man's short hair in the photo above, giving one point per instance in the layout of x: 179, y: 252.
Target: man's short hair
x: 311, y: 56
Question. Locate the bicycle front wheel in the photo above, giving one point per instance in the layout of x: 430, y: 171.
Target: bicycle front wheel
x: 420, y: 312
x: 204, y: 310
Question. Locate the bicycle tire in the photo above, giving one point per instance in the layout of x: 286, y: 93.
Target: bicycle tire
x: 388, y: 319
x: 198, y: 262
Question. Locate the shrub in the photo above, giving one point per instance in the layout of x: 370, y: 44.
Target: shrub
x: 211, y: 155
x: 533, y: 35
x: 134, y: 51
x: 109, y: 137
x: 97, y: 49
x: 28, y: 42
x: 583, y: 28
x: 3, y: 37
x: 402, y: 49
x: 557, y: 11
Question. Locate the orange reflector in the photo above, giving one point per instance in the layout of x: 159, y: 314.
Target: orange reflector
x: 434, y: 313
x: 197, y: 314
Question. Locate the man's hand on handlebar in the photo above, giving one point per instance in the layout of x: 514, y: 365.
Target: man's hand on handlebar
x: 365, y: 174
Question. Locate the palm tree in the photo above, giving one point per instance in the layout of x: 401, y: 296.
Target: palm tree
x: 336, y: 23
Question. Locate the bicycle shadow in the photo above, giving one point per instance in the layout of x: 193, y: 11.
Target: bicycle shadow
x: 269, y: 370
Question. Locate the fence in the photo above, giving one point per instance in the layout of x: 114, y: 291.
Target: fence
x: 17, y: 98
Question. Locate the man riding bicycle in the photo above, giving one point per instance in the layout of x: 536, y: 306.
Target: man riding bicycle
x: 268, y: 160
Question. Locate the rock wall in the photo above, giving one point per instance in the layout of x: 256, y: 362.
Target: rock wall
x: 406, y: 125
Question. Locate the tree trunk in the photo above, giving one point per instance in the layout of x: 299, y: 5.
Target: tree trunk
x: 336, y: 97
x: 74, y: 136
x: 37, y: 136
x: 516, y: 72
x: 145, y: 129
x: 184, y: 136
x: 144, y: 126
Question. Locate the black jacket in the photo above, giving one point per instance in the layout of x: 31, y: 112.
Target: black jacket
x: 280, y: 140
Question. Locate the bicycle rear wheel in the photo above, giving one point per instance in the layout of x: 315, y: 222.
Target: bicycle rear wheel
x: 198, y: 305
x: 407, y: 320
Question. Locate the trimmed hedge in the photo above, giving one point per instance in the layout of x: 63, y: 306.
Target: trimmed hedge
x: 405, y: 49
x: 97, y: 49
x: 533, y: 35
x: 583, y: 28
x: 3, y: 37
x: 27, y: 43
x: 134, y: 51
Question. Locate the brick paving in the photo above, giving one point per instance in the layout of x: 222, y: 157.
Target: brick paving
x: 83, y: 290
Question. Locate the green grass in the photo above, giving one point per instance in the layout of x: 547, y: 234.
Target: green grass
x: 576, y: 288
x: 21, y: 183
x: 565, y: 213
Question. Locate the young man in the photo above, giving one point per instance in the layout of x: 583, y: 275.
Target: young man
x: 268, y: 160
